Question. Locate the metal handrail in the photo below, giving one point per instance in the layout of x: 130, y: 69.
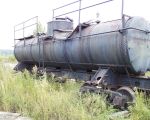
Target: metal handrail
x: 66, y: 5
x: 26, y: 21
x: 24, y: 27
x: 80, y: 9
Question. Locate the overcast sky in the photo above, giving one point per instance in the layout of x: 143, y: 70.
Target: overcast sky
x: 13, y: 12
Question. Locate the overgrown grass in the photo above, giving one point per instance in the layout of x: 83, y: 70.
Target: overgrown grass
x: 44, y: 99
x: 141, y: 109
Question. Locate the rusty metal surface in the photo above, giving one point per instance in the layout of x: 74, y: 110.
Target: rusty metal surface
x: 110, y: 48
x: 139, y: 45
x: 59, y: 24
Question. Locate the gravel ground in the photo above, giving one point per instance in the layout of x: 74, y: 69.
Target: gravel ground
x: 12, y: 116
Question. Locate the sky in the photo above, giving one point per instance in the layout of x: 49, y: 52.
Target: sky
x: 13, y: 12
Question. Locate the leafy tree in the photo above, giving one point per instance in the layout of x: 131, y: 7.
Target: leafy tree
x: 40, y: 29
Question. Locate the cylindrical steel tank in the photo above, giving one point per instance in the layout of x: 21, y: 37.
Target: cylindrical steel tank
x: 111, y: 47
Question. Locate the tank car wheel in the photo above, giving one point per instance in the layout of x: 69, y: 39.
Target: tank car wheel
x: 40, y: 72
x: 128, y: 92
x: 128, y: 97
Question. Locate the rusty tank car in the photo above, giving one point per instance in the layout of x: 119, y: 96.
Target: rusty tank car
x: 112, y: 57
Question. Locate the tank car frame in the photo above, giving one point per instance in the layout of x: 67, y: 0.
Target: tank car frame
x: 118, y: 87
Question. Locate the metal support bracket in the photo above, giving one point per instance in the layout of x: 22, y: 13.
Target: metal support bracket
x: 99, y: 77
